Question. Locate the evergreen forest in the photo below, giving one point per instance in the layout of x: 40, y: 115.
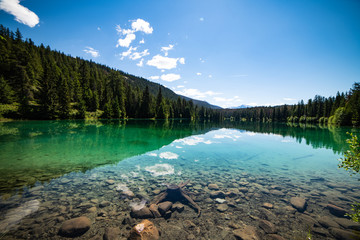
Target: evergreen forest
x: 39, y: 83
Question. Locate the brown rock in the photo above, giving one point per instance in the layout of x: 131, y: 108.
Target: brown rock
x: 343, y: 234
x: 277, y: 192
x: 328, y: 222
x: 335, y: 210
x: 243, y: 189
x: 141, y: 213
x: 213, y: 186
x: 112, y: 233
x: 222, y: 207
x: 267, y: 226
x: 246, y: 233
x: 104, y: 204
x: 268, y: 205
x: 346, y: 223
x: 145, y: 230
x: 309, y: 221
x: 154, y: 209
x: 164, y: 207
x: 75, y: 227
x: 178, y: 207
x: 217, y: 194
x: 91, y: 210
x: 298, y: 203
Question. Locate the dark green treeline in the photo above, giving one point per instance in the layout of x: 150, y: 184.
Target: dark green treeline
x: 344, y: 109
x: 39, y: 83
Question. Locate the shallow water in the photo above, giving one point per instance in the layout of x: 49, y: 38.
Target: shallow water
x: 66, y: 169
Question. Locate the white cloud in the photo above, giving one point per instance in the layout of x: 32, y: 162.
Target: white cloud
x: 195, y: 93
x: 166, y: 49
x: 289, y: 99
x: 199, y: 74
x: 141, y: 25
x: 137, y: 55
x: 201, y: 19
x: 228, y: 102
x: 128, y: 52
x: 154, y: 77
x: 202, y: 60
x: 142, y: 41
x: 192, y: 141
x: 180, y: 86
x: 22, y: 14
x: 160, y: 169
x: 168, y: 155
x: 126, y: 41
x: 161, y: 62
x: 141, y: 63
x: 170, y: 77
x: 182, y: 60
x: 94, y: 53
x: 99, y: 28
x: 210, y: 76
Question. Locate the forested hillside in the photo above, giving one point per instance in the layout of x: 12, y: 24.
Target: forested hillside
x: 343, y: 109
x: 39, y: 83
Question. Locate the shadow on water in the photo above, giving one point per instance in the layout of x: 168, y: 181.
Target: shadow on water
x: 38, y: 151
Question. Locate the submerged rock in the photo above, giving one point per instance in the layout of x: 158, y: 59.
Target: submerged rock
x: 328, y: 222
x: 343, y: 234
x: 112, y: 233
x: 336, y: 211
x: 141, y: 213
x: 164, y: 207
x: 298, y: 203
x: 75, y: 227
x: 217, y: 194
x: 246, y: 233
x: 222, y: 207
x: 213, y: 186
x: 145, y: 230
x: 267, y: 226
x: 155, y: 210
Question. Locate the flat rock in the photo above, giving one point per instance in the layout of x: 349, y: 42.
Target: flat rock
x: 246, y: 233
x: 268, y: 205
x: 222, y: 207
x: 164, y: 207
x: 112, y: 233
x: 75, y: 227
x: 141, y: 213
x: 220, y: 200
x: 336, y: 211
x: 213, y: 186
x: 243, y: 189
x: 267, y: 226
x: 328, y: 222
x: 343, y: 234
x: 110, y: 181
x: 217, y: 194
x: 277, y: 193
x: 298, y: 203
x: 104, y: 204
x: 309, y: 221
x: 346, y: 223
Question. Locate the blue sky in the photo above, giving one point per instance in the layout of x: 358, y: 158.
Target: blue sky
x: 226, y: 52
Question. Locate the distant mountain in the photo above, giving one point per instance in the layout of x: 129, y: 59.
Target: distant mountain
x: 242, y: 106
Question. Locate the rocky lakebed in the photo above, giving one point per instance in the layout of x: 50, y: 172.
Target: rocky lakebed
x: 234, y: 204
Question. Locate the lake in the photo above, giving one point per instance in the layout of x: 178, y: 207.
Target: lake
x: 247, y: 178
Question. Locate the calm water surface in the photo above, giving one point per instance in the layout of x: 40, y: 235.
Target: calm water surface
x: 51, y: 171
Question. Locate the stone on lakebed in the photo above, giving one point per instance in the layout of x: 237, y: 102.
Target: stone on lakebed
x: 75, y: 227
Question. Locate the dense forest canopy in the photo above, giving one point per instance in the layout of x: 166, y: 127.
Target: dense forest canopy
x: 39, y: 83
x: 343, y: 109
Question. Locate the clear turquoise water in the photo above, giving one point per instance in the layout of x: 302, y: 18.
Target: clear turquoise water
x: 68, y: 162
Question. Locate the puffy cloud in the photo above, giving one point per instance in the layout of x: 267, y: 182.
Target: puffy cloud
x: 99, y: 28
x: 210, y: 76
x: 180, y: 86
x: 137, y: 55
x: 168, y: 155
x: 199, y: 74
x: 128, y: 52
x: 195, y: 93
x: 192, y: 141
x: 141, y: 63
x: 160, y: 169
x: 166, y: 49
x: 142, y: 41
x: 170, y: 77
x: 94, y: 53
x: 154, y: 77
x: 22, y: 14
x: 182, y: 60
x: 161, y: 62
x: 228, y: 102
x: 126, y: 41
x: 289, y: 99
x: 201, y: 19
x: 141, y: 25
